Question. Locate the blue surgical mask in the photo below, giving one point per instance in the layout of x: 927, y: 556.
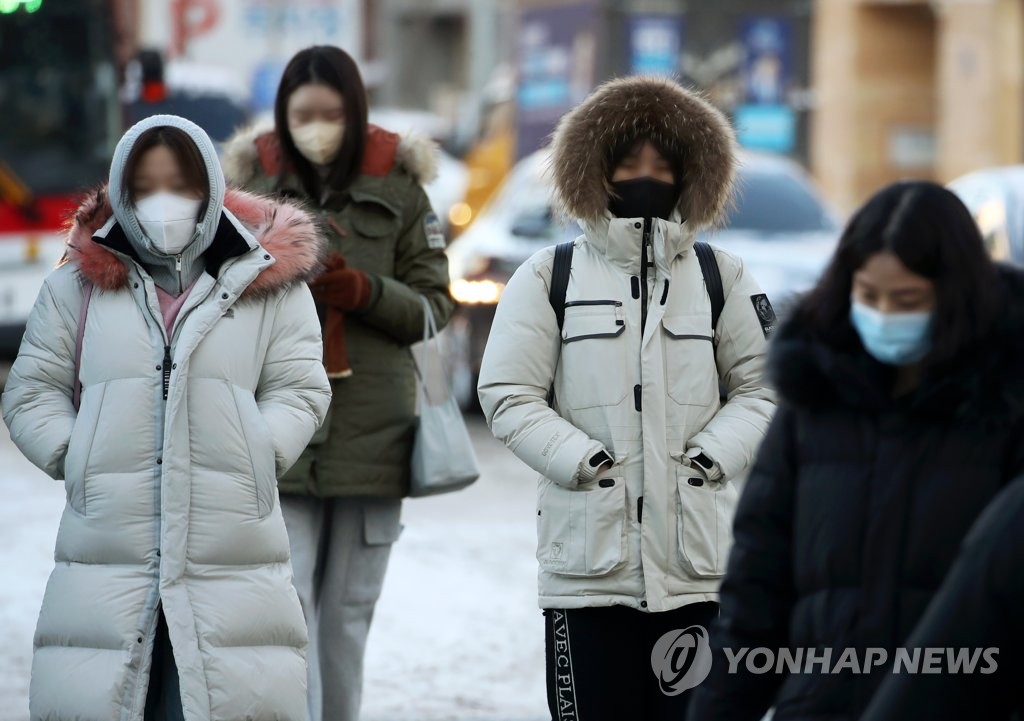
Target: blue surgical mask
x: 896, y: 339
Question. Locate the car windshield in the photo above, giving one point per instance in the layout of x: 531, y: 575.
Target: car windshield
x: 775, y: 202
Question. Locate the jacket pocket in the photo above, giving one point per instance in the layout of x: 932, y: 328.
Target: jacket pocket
x: 260, y: 445
x: 83, y: 436
x: 581, y: 532
x: 691, y: 376
x: 372, y: 219
x: 593, y: 359
x: 705, y: 514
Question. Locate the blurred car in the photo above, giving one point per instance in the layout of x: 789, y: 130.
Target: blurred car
x: 995, y: 197
x: 779, y: 226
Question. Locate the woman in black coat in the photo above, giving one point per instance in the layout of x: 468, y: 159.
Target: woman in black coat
x: 901, y: 416
x: 978, y: 607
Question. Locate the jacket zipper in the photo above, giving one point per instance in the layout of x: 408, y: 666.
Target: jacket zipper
x: 643, y: 275
x: 167, y: 370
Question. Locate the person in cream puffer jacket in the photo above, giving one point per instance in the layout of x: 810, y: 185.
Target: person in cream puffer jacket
x: 638, y: 458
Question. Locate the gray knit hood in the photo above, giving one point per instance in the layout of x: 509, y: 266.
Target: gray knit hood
x: 162, y: 267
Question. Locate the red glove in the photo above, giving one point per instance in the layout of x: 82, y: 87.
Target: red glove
x: 341, y: 287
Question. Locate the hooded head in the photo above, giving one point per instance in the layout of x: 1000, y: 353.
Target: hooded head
x: 176, y: 269
x: 684, y: 128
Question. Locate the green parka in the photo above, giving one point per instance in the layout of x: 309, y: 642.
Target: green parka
x: 383, y: 224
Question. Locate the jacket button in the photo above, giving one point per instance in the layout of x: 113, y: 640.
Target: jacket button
x: 224, y: 296
x: 136, y: 285
x: 159, y: 461
x: 266, y: 257
x: 140, y: 639
x: 643, y: 604
x: 174, y: 366
x: 158, y: 552
x: 159, y: 368
x: 638, y: 225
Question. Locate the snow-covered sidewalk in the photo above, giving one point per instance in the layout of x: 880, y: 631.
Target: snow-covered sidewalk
x: 457, y: 634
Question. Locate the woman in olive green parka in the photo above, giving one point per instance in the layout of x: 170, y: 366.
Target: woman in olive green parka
x: 342, y: 500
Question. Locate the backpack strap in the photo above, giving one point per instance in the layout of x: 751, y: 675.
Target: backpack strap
x: 556, y: 293
x: 712, y: 280
x: 560, y: 280
x: 76, y: 393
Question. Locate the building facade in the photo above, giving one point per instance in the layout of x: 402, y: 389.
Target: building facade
x: 914, y: 88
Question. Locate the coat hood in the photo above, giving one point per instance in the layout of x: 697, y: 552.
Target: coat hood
x: 256, y: 150
x: 282, y: 229
x: 983, y: 383
x: 643, y: 107
x: 125, y: 213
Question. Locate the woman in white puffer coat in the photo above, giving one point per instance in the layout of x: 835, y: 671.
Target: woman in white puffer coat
x: 202, y: 380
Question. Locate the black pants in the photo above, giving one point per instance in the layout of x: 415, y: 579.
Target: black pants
x: 599, y: 665
x: 163, y: 700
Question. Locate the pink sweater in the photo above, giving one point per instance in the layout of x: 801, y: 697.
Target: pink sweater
x: 170, y: 305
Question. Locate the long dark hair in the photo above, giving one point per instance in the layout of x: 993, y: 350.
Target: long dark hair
x: 333, y: 67
x: 933, y: 234
x: 190, y: 161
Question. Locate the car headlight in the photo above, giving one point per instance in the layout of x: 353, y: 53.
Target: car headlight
x: 460, y: 214
x: 477, y: 292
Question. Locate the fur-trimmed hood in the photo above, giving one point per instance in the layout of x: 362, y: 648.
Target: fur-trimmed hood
x: 286, y: 232
x: 983, y: 384
x: 255, y: 150
x: 645, y: 107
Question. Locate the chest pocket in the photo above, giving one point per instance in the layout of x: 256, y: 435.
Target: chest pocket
x: 593, y: 355
x: 691, y: 375
x: 371, y: 219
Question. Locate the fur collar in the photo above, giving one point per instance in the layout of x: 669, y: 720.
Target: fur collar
x: 984, y: 384
x: 282, y: 229
x: 656, y: 108
x: 255, y: 150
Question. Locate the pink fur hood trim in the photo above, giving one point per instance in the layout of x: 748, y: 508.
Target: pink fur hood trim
x: 283, y: 229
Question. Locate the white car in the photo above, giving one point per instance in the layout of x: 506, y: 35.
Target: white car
x: 779, y: 226
x: 995, y: 197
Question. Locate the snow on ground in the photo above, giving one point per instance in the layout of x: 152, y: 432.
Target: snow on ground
x: 29, y: 516
x: 457, y: 634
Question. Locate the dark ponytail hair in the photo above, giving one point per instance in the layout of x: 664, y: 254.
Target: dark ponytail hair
x: 933, y: 234
x: 333, y: 67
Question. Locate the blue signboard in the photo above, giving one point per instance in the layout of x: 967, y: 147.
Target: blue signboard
x: 655, y: 44
x: 766, y: 127
x: 768, y: 66
x: 765, y: 121
x: 557, y: 48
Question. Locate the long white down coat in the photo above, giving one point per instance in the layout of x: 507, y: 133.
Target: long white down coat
x: 174, y: 501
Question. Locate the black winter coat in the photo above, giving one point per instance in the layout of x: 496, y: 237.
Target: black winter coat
x: 980, y: 606
x: 855, y: 509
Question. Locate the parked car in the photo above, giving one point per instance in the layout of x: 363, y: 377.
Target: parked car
x: 995, y: 197
x: 779, y: 226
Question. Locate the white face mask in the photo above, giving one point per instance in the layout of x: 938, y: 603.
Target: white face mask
x: 319, y: 141
x: 169, y: 221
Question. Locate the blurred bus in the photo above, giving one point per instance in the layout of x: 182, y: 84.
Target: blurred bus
x: 60, y: 119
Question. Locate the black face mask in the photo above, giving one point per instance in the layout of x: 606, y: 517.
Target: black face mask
x: 643, y: 198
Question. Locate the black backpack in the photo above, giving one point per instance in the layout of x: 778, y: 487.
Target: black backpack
x: 708, y: 267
